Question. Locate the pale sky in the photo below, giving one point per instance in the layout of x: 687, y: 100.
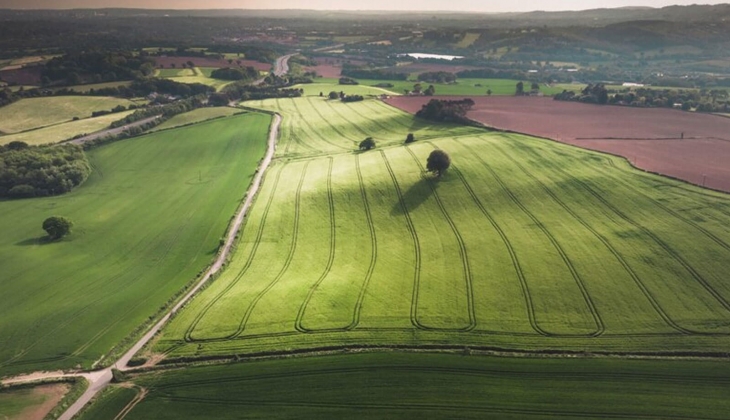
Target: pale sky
x: 417, y: 5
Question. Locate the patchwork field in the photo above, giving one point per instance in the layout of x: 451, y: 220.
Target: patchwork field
x: 64, y: 131
x: 33, y: 113
x: 694, y: 147
x: 509, y: 249
x: 418, y: 386
x: 147, y: 221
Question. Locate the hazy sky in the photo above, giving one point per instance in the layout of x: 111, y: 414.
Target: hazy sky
x: 451, y: 5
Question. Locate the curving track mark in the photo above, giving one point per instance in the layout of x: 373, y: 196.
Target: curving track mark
x: 463, y: 255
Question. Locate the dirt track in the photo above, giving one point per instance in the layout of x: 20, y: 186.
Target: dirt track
x: 650, y: 138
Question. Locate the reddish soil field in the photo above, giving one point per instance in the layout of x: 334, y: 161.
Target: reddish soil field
x: 649, y: 138
x: 29, y: 76
x: 208, y: 62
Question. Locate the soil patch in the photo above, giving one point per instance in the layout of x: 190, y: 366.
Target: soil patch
x: 27, y: 76
x: 690, y: 146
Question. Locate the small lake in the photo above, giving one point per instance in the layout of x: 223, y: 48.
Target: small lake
x: 437, y: 56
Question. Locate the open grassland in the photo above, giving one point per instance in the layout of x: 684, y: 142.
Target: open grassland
x: 326, y: 86
x: 418, y: 386
x: 313, y: 126
x: 523, y: 244
x: 468, y: 87
x: 167, y: 73
x: 64, y: 131
x: 196, y: 75
x: 147, y: 221
x: 96, y: 86
x: 31, y: 403
x: 196, y: 116
x: 27, y: 114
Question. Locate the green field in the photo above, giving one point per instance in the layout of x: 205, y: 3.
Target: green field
x: 510, y: 249
x: 147, y: 221
x: 96, y: 86
x: 474, y: 87
x: 28, y: 114
x: 196, y: 116
x: 64, y: 131
x: 428, y: 386
x: 194, y: 75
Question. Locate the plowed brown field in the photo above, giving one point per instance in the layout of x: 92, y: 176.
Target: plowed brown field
x: 650, y: 138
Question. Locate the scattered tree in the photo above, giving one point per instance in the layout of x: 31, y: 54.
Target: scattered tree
x: 367, y: 144
x: 520, y: 88
x: 410, y: 138
x: 535, y: 86
x: 489, y: 92
x: 429, y: 91
x: 333, y: 95
x: 438, y: 162
x: 57, y: 227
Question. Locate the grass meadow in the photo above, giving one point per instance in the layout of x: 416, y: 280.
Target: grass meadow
x: 418, y: 386
x: 146, y: 222
x: 33, y: 113
x: 64, y: 131
x: 196, y: 116
x: 523, y: 244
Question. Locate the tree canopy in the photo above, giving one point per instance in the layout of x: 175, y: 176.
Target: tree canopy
x: 367, y: 144
x: 57, y: 227
x: 438, y: 162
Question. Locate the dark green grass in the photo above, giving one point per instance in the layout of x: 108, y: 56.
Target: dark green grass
x: 417, y: 386
x: 147, y: 221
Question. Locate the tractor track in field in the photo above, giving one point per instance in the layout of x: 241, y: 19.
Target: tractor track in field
x: 416, y: 244
x: 318, y: 133
x: 627, y: 267
x: 463, y: 255
x: 193, y: 325
x: 600, y: 327
x: 332, y: 126
x: 667, y: 248
x: 513, y: 255
x: 298, y: 323
x: 287, y: 262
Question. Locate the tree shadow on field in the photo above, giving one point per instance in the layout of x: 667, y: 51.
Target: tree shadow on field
x: 41, y: 240
x: 416, y: 194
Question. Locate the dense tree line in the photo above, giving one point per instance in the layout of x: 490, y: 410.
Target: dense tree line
x: 437, y: 77
x: 348, y: 81
x: 352, y: 98
x: 166, y: 111
x: 246, y: 92
x: 374, y: 74
x: 714, y: 100
x: 37, y: 171
x: 446, y: 110
x: 95, y: 67
x: 227, y: 73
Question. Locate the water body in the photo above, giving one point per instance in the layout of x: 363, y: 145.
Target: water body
x: 437, y: 56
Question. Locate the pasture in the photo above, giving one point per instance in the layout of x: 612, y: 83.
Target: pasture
x: 147, y: 221
x: 509, y: 249
x: 196, y: 116
x: 31, y: 113
x: 417, y: 386
x: 64, y: 131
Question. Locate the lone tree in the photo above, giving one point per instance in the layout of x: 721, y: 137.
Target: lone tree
x: 519, y: 88
x: 410, y: 138
x: 438, y: 162
x: 333, y: 95
x: 367, y: 144
x: 57, y: 227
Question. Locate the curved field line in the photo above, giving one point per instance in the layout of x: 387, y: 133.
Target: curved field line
x: 292, y: 134
x: 635, y: 277
x: 317, y: 133
x: 141, y: 394
x: 298, y: 325
x: 416, y: 244
x: 462, y: 253
x: 513, y: 255
x: 292, y: 250
x: 674, y: 254
x: 600, y: 327
x: 354, y: 125
x: 332, y: 126
x: 381, y: 105
x: 188, y: 336
x: 373, y: 246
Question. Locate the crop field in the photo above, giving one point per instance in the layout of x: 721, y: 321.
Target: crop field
x: 196, y: 116
x: 64, y: 131
x: 417, y: 386
x: 30, y: 402
x: 166, y: 73
x: 312, y: 126
x: 694, y: 147
x: 194, y: 75
x: 144, y: 227
x: 33, y: 113
x: 88, y: 87
x: 508, y: 249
